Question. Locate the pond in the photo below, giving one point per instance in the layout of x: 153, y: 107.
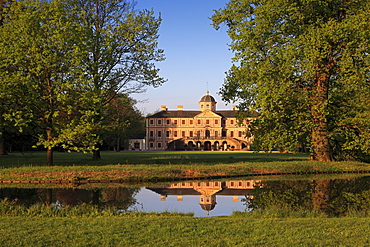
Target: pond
x: 332, y: 196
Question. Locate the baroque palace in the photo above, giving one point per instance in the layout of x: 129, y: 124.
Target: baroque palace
x: 206, y: 129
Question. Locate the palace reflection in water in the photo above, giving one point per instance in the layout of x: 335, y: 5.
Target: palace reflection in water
x: 208, y: 191
x: 334, y: 197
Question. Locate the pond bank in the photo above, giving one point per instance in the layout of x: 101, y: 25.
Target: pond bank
x: 79, y: 181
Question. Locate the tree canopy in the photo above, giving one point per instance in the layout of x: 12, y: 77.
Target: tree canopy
x: 304, y: 66
x: 62, y: 62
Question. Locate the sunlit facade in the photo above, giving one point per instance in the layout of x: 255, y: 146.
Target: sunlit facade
x: 206, y: 129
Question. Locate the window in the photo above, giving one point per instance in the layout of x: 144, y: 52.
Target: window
x: 191, y: 121
x: 216, y: 133
x: 198, y: 133
x: 151, y: 144
x: 175, y: 134
x: 167, y: 134
x: 208, y: 134
x: 183, y: 133
x: 207, y: 106
x: 240, y: 133
x: 231, y: 133
x: 198, y: 121
x: 159, y: 121
x: 182, y: 121
x: 159, y: 133
x: 168, y: 121
x: 175, y: 121
x: 151, y: 122
x: 159, y: 144
x: 223, y: 121
x: 151, y: 133
x: 224, y: 133
x: 216, y: 121
x: 207, y: 121
x: 231, y: 121
x: 191, y: 133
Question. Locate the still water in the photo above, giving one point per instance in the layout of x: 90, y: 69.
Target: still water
x: 211, y: 198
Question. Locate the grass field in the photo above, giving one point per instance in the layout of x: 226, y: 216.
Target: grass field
x: 154, y: 166
x: 124, y: 158
x: 46, y: 227
x: 184, y: 231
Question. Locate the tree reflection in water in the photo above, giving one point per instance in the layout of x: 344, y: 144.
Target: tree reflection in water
x: 332, y: 197
x: 109, y: 198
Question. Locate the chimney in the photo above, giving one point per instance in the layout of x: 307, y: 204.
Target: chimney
x: 179, y: 107
x: 163, y: 108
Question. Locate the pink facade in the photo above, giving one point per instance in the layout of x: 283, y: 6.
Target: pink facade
x: 206, y: 129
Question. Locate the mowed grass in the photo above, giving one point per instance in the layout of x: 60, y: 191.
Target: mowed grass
x: 183, y: 231
x: 113, y: 158
x: 161, y: 165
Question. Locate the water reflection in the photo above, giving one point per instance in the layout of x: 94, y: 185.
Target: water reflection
x: 207, y: 192
x: 334, y: 197
x: 119, y: 198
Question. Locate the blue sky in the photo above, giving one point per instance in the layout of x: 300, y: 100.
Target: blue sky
x: 195, y: 53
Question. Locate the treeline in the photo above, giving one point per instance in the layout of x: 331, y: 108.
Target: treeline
x: 67, y: 69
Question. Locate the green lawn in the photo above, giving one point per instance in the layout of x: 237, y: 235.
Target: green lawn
x: 114, y: 158
x: 40, y: 227
x: 135, y: 166
x: 184, y: 231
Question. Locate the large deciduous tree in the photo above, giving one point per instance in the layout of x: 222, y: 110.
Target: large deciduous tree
x: 42, y: 75
x: 304, y: 65
x: 121, y: 47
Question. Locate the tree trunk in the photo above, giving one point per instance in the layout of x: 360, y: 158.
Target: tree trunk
x: 321, y: 150
x: 2, y: 146
x: 96, y: 155
x: 321, y: 195
x: 49, y: 152
x: 49, y: 197
x: 49, y: 157
x: 118, y: 144
x: 320, y: 147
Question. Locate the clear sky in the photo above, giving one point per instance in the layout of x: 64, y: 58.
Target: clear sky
x: 195, y: 53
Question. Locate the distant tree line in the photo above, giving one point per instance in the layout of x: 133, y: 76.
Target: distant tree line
x: 67, y: 68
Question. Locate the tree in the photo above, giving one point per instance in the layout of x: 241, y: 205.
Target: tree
x: 3, y: 4
x: 121, y: 121
x: 304, y: 65
x: 121, y: 48
x: 43, y: 77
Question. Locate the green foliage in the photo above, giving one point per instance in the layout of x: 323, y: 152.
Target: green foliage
x: 42, y: 71
x: 304, y: 66
x: 121, y: 121
x: 62, y: 62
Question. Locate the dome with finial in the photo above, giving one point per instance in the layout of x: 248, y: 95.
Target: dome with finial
x: 207, y: 98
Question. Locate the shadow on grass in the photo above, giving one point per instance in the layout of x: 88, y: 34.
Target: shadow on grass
x: 109, y: 158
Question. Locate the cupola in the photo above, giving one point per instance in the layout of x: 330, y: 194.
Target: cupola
x: 207, y: 102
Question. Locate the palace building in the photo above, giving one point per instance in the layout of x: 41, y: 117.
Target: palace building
x: 206, y: 129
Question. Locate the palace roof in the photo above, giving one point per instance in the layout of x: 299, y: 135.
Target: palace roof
x: 190, y: 114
